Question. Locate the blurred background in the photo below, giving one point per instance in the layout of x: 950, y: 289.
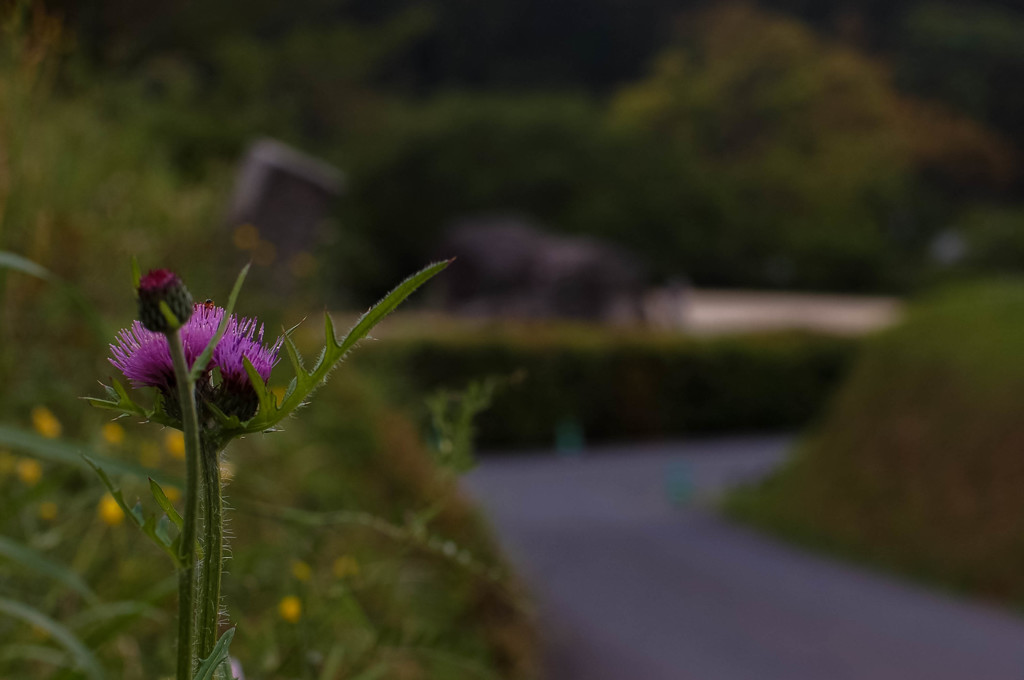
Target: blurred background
x: 754, y: 261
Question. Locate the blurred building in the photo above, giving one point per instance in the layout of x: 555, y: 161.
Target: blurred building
x: 508, y: 267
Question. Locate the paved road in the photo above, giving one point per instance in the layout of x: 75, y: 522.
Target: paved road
x: 633, y: 587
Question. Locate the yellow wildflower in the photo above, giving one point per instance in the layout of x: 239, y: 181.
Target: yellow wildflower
x: 345, y: 566
x: 174, y: 442
x: 48, y: 511
x: 290, y: 609
x: 301, y: 571
x: 45, y: 422
x: 113, y: 433
x: 29, y: 471
x: 109, y: 511
x: 173, y: 494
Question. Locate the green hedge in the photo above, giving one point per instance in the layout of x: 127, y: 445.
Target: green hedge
x: 618, y: 386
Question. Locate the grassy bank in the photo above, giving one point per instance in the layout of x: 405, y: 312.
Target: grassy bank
x: 918, y: 465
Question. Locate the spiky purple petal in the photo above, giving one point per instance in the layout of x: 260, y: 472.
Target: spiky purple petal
x: 144, y: 358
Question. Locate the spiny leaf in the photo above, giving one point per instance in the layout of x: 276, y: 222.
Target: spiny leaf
x: 334, y: 351
x: 136, y: 514
x: 84, y: 659
x: 371, y: 318
x: 267, y: 401
x: 165, y: 503
x: 294, y: 357
x: 162, y: 531
x: 119, y: 400
x: 204, y: 358
x: 224, y: 420
x: 218, y: 656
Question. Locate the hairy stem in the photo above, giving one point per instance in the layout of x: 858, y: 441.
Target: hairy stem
x: 213, y: 545
x: 187, y: 550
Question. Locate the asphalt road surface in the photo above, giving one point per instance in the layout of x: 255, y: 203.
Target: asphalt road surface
x: 636, y: 579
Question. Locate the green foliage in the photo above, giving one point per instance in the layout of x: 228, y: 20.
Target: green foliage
x: 81, y: 187
x: 82, y: 658
x: 217, y: 665
x: 993, y: 238
x: 917, y: 465
x: 306, y: 381
x: 795, y: 149
x: 465, y: 154
x: 415, y: 564
x: 619, y: 385
x: 84, y: 183
x: 452, y: 419
x: 155, y: 527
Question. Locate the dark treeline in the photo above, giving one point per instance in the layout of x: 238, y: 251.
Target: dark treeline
x: 826, y: 144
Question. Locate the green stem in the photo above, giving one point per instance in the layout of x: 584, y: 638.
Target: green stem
x: 213, y: 545
x: 187, y: 550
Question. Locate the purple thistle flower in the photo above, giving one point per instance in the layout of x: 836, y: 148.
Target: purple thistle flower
x: 243, y: 339
x: 145, y: 359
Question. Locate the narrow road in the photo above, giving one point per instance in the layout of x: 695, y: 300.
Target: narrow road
x: 636, y: 579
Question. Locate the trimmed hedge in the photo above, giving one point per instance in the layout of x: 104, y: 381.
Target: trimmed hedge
x: 613, y: 385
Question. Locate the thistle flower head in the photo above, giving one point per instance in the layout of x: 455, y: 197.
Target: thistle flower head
x: 163, y: 286
x: 145, y: 359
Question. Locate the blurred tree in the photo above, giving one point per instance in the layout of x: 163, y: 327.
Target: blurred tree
x: 211, y: 76
x: 461, y: 154
x: 970, y: 55
x: 807, y: 157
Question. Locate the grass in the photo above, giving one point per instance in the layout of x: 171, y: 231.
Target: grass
x: 353, y: 554
x: 917, y: 466
x: 369, y: 563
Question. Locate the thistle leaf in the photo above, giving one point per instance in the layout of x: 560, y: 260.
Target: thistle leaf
x: 306, y: 382
x: 211, y: 664
x: 165, y: 503
x: 119, y: 400
x: 267, y: 401
x: 136, y: 514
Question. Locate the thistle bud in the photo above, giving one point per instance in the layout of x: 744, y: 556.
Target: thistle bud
x: 163, y: 286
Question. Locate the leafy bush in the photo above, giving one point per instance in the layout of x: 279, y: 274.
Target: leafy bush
x: 617, y: 385
x: 918, y: 465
